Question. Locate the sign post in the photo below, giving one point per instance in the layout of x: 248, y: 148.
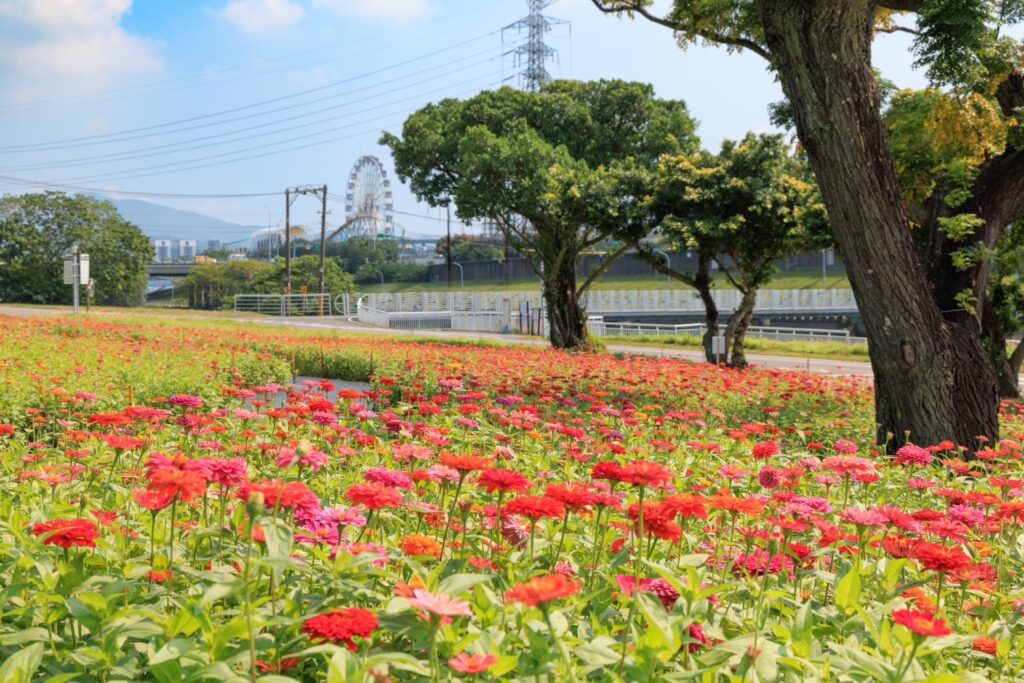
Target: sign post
x: 76, y: 273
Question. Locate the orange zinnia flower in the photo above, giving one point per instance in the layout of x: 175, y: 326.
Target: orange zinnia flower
x: 543, y: 589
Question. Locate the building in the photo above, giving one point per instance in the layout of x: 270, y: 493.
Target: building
x: 213, y: 245
x: 164, y: 252
x: 187, y: 250
x: 266, y: 242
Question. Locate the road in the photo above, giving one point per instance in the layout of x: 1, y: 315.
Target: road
x: 339, y: 324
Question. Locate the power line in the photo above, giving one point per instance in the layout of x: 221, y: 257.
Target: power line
x: 137, y: 172
x: 131, y: 193
x: 220, y: 138
x: 44, y: 146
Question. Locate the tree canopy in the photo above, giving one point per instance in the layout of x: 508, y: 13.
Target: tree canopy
x: 522, y: 159
x: 36, y: 230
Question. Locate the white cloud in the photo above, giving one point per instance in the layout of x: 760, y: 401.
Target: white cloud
x: 395, y: 10
x: 49, y: 47
x: 260, y: 16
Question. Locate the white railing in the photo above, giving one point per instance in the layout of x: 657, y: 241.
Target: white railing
x: 617, y: 301
x: 283, y: 304
x: 469, y: 321
x: 630, y: 329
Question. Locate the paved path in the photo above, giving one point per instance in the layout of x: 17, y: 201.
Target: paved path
x: 348, y: 326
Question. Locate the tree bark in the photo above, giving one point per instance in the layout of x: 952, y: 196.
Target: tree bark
x: 933, y: 379
x: 736, y: 331
x: 566, y: 321
x: 702, y: 283
x: 1007, y: 366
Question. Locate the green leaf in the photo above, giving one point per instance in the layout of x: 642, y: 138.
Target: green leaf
x: 36, y: 634
x: 848, y: 588
x: 171, y: 651
x: 22, y: 665
x: 457, y: 584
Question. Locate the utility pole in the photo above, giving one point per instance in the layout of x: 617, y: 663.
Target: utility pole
x: 323, y: 236
x: 287, y: 242
x: 448, y: 242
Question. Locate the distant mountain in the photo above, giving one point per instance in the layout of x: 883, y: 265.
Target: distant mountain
x: 164, y: 222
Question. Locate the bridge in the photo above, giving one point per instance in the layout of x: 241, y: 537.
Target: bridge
x: 173, y: 271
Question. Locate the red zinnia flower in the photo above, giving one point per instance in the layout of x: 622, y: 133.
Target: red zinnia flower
x: 184, y: 484
x: 341, y: 626
x: 543, y: 589
x: 374, y: 496
x: 646, y: 473
x: 535, y: 507
x: 503, y: 480
x: 68, y: 532
x: 154, y: 501
x: 921, y: 623
x: 940, y: 558
x: 280, y: 494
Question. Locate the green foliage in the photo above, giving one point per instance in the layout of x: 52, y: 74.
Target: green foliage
x: 952, y: 33
x: 213, y: 285
x: 961, y: 226
x: 753, y: 202
x: 527, y: 161
x: 467, y: 248
x: 37, y: 229
x: 356, y: 252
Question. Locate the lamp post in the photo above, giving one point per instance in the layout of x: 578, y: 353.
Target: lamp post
x: 462, y: 275
x: 668, y: 261
x: 381, y: 275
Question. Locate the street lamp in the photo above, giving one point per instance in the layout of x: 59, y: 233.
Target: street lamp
x: 379, y: 273
x: 668, y: 261
x: 462, y: 275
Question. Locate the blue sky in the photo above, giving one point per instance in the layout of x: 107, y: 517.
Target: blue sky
x: 252, y: 96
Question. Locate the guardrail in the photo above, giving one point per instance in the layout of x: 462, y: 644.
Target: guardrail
x: 283, y: 304
x: 630, y: 329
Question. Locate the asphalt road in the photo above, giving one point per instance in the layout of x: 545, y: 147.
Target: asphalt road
x: 340, y: 324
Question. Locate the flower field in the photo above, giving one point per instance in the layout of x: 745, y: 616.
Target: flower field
x: 480, y: 513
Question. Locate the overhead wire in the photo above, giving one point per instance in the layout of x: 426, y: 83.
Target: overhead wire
x: 105, y: 138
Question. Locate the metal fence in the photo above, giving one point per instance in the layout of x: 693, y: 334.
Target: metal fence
x: 617, y: 301
x: 469, y: 321
x: 629, y: 329
x: 284, y: 304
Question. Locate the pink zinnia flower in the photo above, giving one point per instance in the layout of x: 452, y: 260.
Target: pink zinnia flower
x: 472, y: 664
x: 442, y: 605
x: 769, y: 477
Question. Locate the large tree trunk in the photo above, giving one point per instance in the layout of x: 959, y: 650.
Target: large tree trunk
x: 933, y: 379
x: 566, y: 321
x: 1007, y: 366
x: 736, y: 331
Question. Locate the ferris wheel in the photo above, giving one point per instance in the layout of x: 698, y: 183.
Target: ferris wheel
x: 369, y: 205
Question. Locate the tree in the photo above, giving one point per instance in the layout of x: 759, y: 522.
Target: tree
x: 467, y: 248
x: 510, y: 157
x: 305, y: 276
x: 1005, y: 313
x: 922, y: 288
x: 746, y: 208
x: 356, y: 252
x: 36, y: 230
x: 212, y: 286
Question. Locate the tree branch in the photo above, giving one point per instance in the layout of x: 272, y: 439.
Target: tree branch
x: 656, y: 262
x: 894, y: 29
x: 634, y: 7
x: 602, y: 269
x: 999, y: 190
x: 902, y: 5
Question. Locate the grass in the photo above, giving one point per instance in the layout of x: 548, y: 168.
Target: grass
x: 796, y: 349
x: 797, y: 279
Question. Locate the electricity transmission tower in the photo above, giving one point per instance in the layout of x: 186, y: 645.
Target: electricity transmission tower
x: 530, y: 58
